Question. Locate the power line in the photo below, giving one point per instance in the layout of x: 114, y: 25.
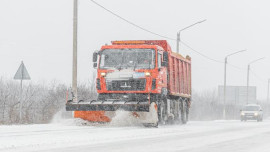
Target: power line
x: 205, y: 56
x: 188, y: 46
x: 154, y: 33
x: 259, y: 78
x: 236, y: 67
x: 144, y: 29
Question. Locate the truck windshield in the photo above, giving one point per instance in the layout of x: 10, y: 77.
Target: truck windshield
x: 127, y: 59
x: 251, y: 108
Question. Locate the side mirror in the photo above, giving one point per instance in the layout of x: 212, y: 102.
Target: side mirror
x: 95, y: 55
x: 261, y: 110
x: 165, y: 57
x: 95, y: 65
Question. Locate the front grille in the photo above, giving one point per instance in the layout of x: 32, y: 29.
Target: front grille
x: 126, y: 85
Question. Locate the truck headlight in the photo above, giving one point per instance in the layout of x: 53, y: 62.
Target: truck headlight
x: 255, y: 114
x: 147, y: 74
x: 103, y: 74
x: 242, y: 113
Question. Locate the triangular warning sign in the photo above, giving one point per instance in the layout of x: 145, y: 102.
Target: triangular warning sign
x: 22, y: 73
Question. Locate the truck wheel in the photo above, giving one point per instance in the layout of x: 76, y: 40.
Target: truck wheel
x: 170, y: 120
x: 183, y: 112
x: 151, y: 125
x: 177, y: 113
x: 162, y: 113
x: 187, y: 113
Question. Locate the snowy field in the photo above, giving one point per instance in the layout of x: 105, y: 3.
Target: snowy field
x: 196, y: 136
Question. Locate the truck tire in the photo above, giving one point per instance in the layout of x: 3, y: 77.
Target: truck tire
x: 187, y: 113
x: 151, y: 125
x: 162, y: 113
x: 183, y: 112
x: 177, y: 112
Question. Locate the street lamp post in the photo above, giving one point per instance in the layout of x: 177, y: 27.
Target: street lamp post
x: 178, y: 34
x: 248, y: 75
x: 268, y: 90
x: 225, y: 78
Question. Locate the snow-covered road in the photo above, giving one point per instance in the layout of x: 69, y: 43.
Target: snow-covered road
x: 205, y: 136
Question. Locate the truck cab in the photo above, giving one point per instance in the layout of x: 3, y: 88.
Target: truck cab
x: 130, y: 69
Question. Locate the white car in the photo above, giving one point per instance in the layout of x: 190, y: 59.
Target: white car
x: 252, y: 112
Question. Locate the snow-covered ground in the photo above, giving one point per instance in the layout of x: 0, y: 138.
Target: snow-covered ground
x: 196, y: 136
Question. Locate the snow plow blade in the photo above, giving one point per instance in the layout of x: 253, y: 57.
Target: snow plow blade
x: 105, y: 106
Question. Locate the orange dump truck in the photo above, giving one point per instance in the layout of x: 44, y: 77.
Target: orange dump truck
x: 144, y: 78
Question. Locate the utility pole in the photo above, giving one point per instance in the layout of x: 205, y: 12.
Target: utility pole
x: 248, y: 76
x: 248, y: 81
x: 225, y: 79
x: 74, y: 67
x: 177, y: 41
x: 268, y: 91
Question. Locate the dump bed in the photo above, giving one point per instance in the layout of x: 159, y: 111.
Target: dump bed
x: 179, y: 69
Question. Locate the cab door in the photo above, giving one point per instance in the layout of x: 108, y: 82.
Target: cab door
x: 162, y: 76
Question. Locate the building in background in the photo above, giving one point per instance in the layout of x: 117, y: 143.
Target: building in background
x: 237, y: 95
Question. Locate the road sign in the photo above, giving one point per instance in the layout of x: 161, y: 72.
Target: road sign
x: 22, y: 73
x: 237, y: 95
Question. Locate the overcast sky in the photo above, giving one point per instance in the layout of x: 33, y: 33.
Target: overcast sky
x: 39, y: 32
